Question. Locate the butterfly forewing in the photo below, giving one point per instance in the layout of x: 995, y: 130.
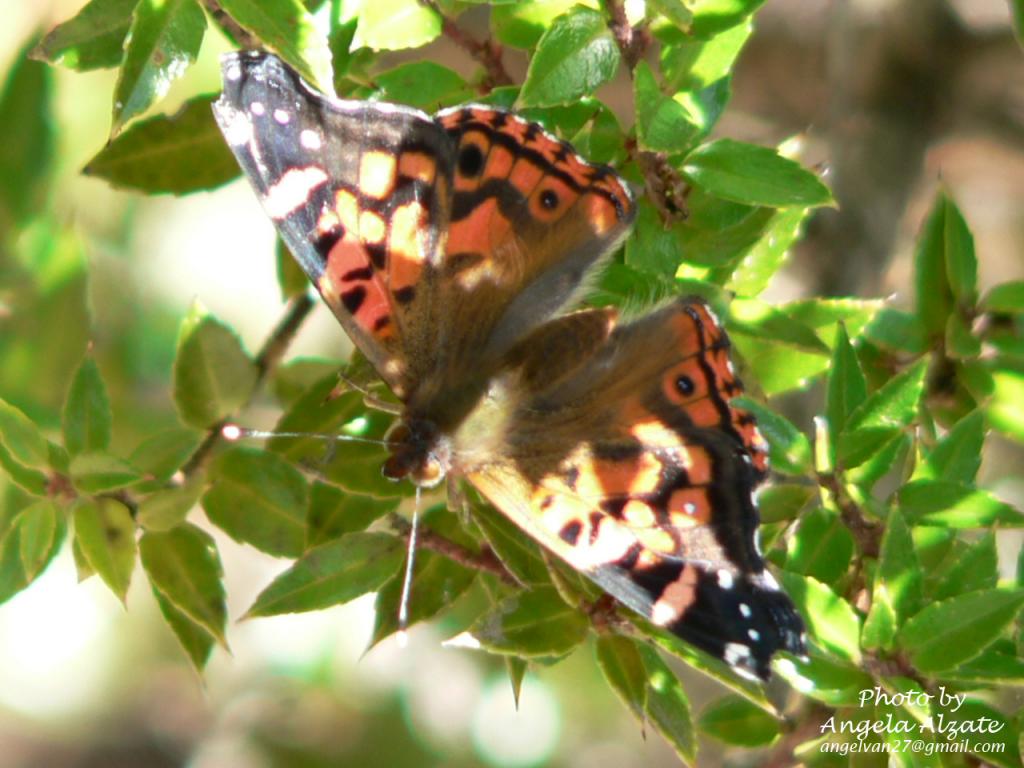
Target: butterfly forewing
x: 359, y: 193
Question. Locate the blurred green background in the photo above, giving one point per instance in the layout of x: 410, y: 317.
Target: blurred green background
x: 890, y: 96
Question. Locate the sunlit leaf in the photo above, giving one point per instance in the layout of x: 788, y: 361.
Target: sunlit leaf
x: 576, y: 54
x: 105, y: 533
x: 87, y: 419
x: 92, y: 39
x: 184, y: 567
x: 332, y: 573
x: 163, y: 41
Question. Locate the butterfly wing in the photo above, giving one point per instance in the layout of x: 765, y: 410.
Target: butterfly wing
x: 360, y: 193
x: 438, y: 242
x: 637, y: 470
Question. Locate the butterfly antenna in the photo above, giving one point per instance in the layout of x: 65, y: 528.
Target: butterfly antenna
x: 403, y: 605
x: 233, y: 432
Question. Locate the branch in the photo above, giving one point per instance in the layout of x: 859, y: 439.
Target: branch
x: 235, y: 31
x: 632, y: 41
x: 269, y: 356
x: 867, y: 533
x: 665, y: 186
x: 487, y: 52
x: 427, y: 539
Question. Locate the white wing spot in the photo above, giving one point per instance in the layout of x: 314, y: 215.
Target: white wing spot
x: 236, y: 125
x: 257, y: 108
x: 310, y: 139
x: 753, y: 634
x: 233, y: 72
x: 690, y: 508
x: 734, y: 652
x: 745, y: 611
x: 725, y: 579
x: 292, y: 190
x: 281, y: 116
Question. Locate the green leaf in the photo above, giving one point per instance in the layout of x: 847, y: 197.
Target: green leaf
x: 179, y: 153
x: 949, y: 632
x: 821, y: 547
x: 777, y: 367
x: 22, y: 439
x: 290, y: 277
x: 213, y: 376
x: 105, y: 534
x: 93, y: 39
x: 623, y: 667
x: 663, y: 124
x: 847, y: 388
x: 196, y: 641
x: 896, y: 593
x: 1005, y: 298
x: 754, y: 175
x: 40, y: 530
x: 161, y: 455
x: 392, y: 25
x: 575, y: 55
x: 789, y: 448
x: 162, y: 43
x: 522, y: 24
x: 27, y: 151
x: 1017, y: 11
x: 424, y: 84
x: 534, y: 623
x: 333, y: 573
x: 760, y: 319
x: 872, y: 423
x: 288, y: 29
x: 332, y: 513
x: 832, y: 682
x: 87, y: 416
x: 688, y: 63
x: 945, y: 267
x: 518, y: 553
x: 98, y: 471
x: 712, y: 17
x: 781, y: 502
x: 167, y: 508
x: 184, y: 568
x: 650, y: 247
x: 436, y: 583
x: 668, y: 707
x: 975, y: 567
x: 898, y: 331
x: 1006, y: 411
x: 258, y: 498
x: 938, y: 502
x: 766, y: 257
x: 736, y: 721
x: 957, y: 456
x: 12, y: 570
x: 831, y: 621
x: 673, y: 10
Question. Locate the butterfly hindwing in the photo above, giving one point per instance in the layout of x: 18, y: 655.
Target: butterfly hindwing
x: 637, y: 470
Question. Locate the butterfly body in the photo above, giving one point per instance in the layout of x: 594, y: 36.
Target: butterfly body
x: 450, y: 248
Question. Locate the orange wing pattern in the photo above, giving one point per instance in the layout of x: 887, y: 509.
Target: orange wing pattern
x: 638, y: 471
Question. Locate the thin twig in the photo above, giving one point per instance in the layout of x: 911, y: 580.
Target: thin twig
x: 269, y: 356
x: 235, y: 31
x: 632, y: 41
x: 486, y: 52
x: 665, y: 186
x: 867, y: 533
x: 427, y: 539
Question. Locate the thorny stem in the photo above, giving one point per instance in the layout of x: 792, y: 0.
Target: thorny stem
x: 487, y: 52
x: 665, y: 187
x: 868, y: 534
x: 427, y: 539
x: 234, y: 30
x: 266, y: 360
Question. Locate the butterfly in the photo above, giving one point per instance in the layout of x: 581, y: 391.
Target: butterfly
x: 450, y: 248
